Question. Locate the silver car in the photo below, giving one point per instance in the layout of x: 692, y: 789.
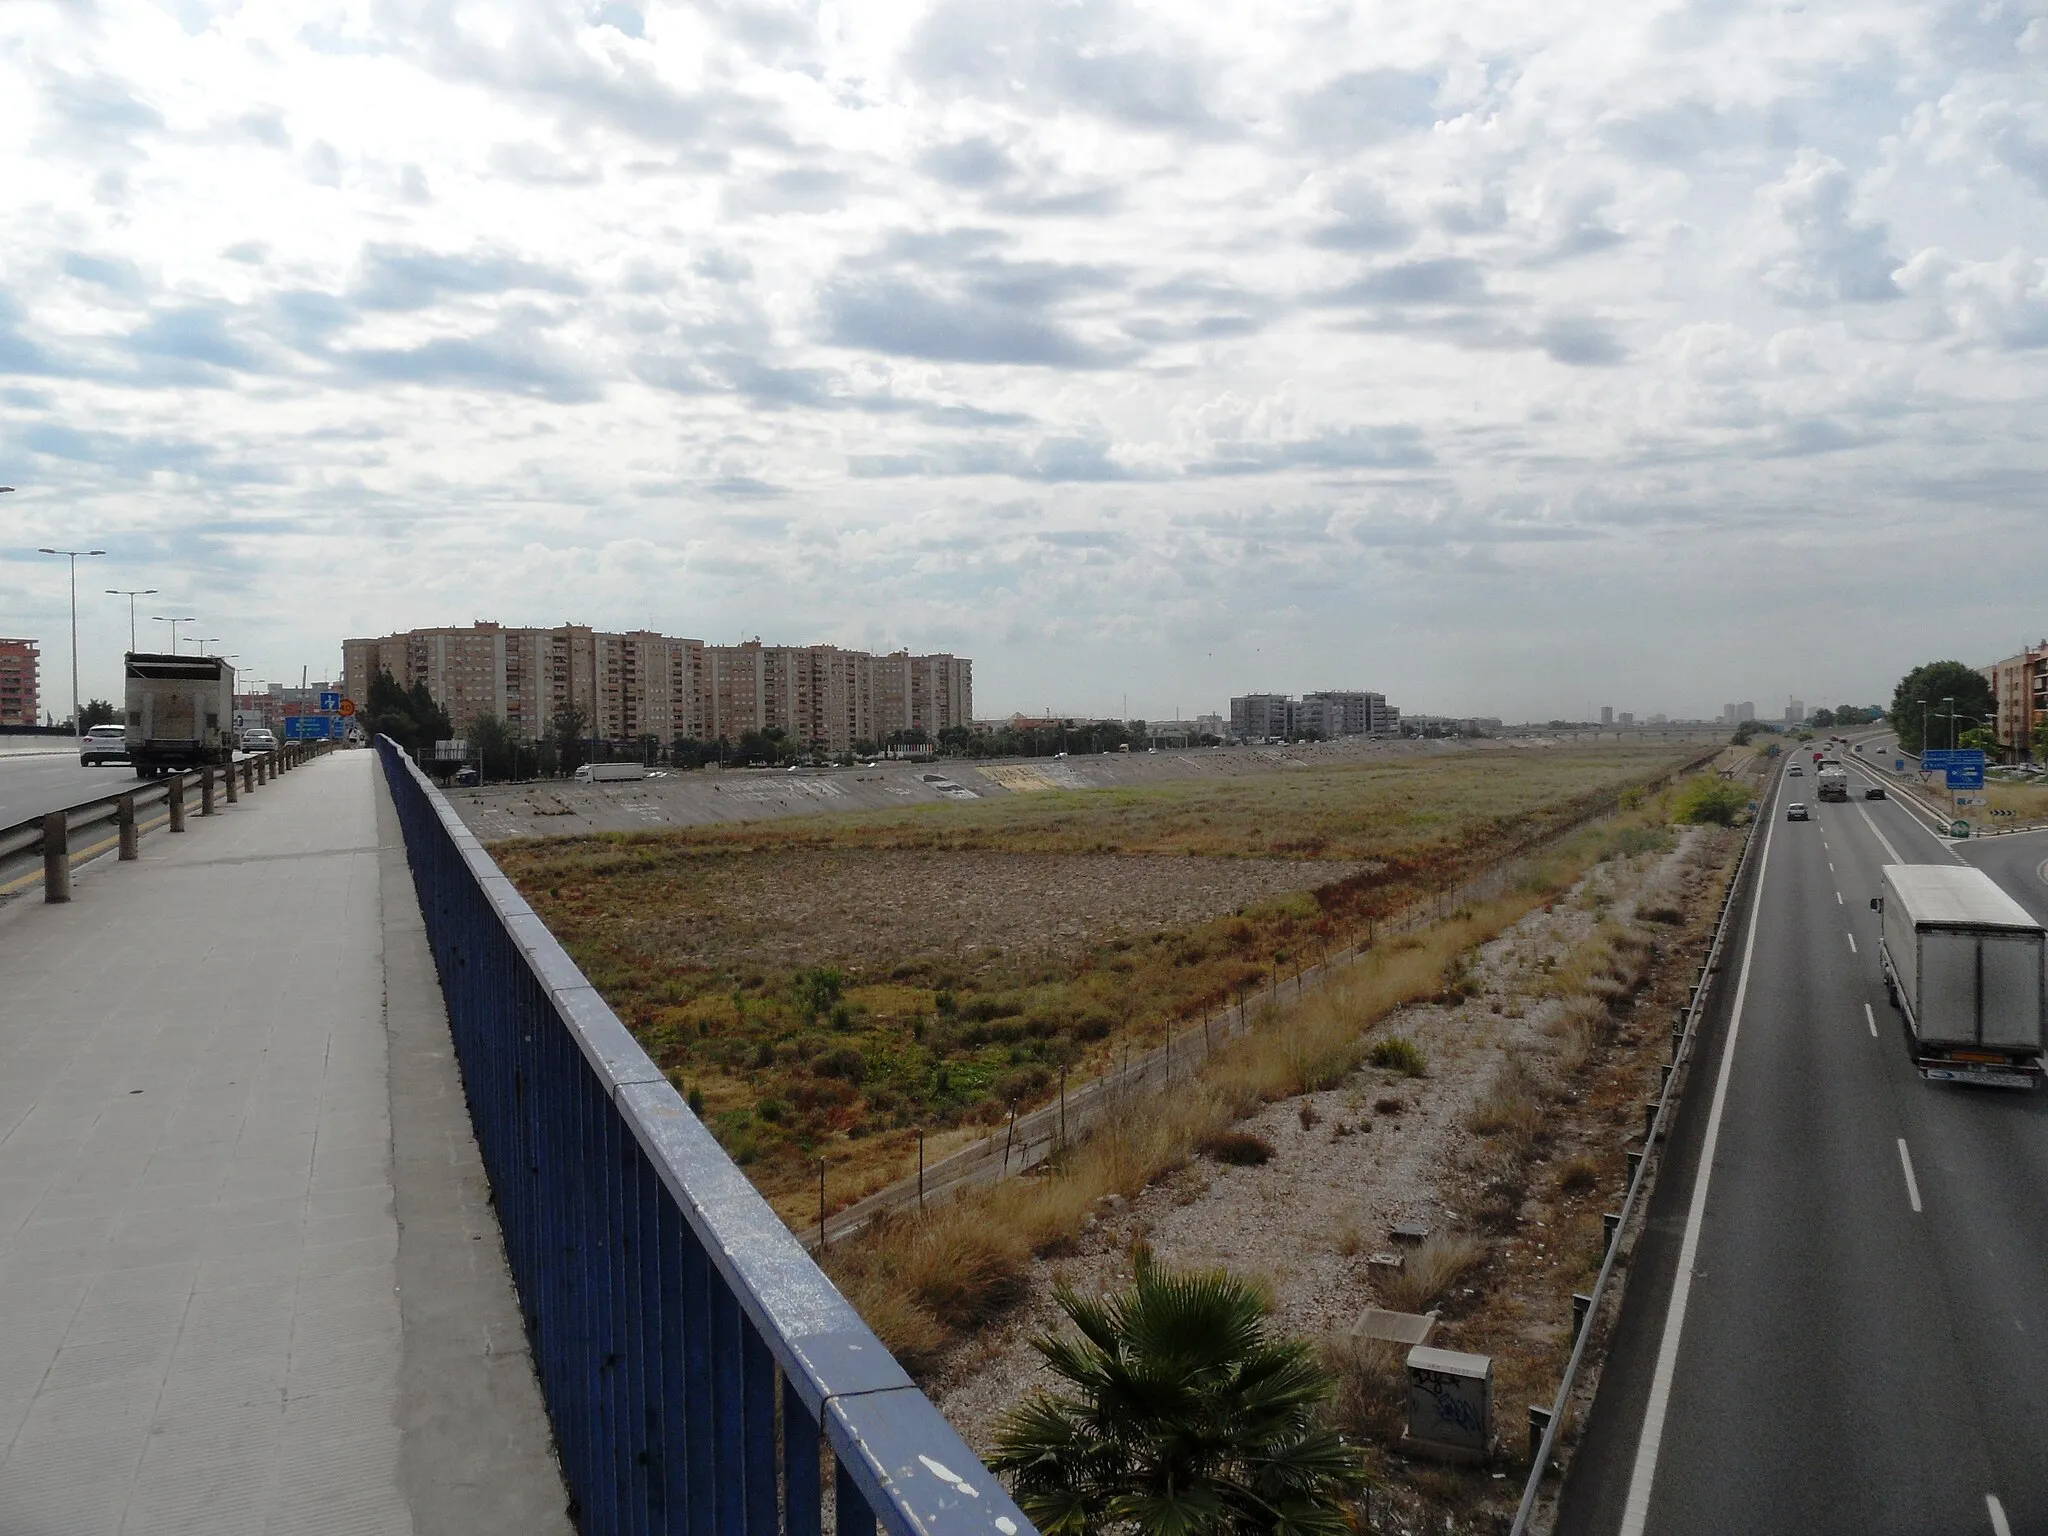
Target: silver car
x: 103, y: 744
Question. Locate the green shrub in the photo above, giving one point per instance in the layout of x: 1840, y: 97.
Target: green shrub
x: 1709, y: 798
x: 1241, y: 1149
x: 1397, y: 1053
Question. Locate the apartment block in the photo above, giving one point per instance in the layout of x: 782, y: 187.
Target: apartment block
x: 21, y: 698
x: 639, y: 683
x: 2020, y: 684
x: 1330, y: 713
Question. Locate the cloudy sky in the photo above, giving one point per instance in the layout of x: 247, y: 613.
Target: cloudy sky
x: 1507, y: 358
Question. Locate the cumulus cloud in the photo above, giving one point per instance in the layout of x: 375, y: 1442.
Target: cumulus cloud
x: 1821, y: 249
x: 1240, y: 338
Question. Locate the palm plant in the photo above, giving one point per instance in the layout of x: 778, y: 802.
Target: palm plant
x: 1181, y: 1416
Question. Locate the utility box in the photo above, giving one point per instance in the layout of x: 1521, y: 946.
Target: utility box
x: 1450, y: 1405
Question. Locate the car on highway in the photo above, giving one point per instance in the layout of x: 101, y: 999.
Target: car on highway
x: 1794, y: 771
x: 103, y: 744
x: 1874, y: 792
x: 259, y: 738
x: 1796, y: 811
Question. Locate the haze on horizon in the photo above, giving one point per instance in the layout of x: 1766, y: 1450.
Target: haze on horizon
x: 1510, y: 361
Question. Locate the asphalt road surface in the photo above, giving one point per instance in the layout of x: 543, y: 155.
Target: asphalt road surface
x: 33, y: 784
x: 1845, y: 1328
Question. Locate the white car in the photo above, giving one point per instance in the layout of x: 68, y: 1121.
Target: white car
x: 259, y: 739
x: 103, y: 744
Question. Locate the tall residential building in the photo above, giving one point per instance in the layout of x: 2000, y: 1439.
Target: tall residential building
x: 1795, y: 712
x: 2020, y: 685
x: 639, y: 683
x: 21, y: 699
x: 1607, y: 714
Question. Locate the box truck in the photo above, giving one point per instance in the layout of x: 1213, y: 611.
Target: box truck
x: 1833, y: 780
x: 1964, y: 964
x: 181, y: 713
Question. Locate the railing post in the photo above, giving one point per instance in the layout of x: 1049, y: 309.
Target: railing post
x: 248, y: 775
x: 262, y: 774
x: 175, y: 800
x: 227, y: 776
x: 206, y: 790
x: 56, y: 857
x: 126, y: 822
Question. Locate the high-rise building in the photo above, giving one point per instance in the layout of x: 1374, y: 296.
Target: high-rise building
x: 21, y: 698
x: 1745, y: 711
x: 1626, y: 718
x: 638, y: 684
x: 1795, y: 712
x: 1607, y: 714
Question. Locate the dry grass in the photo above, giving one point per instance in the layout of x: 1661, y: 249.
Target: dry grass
x: 1577, y: 1175
x: 1371, y: 1400
x: 895, y: 1272
x: 1433, y: 1271
x: 948, y: 1021
x: 1511, y: 1109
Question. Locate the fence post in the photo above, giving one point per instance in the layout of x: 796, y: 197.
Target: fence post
x: 56, y: 857
x: 125, y: 820
x: 175, y: 799
x: 248, y: 774
x: 206, y: 790
x: 227, y: 776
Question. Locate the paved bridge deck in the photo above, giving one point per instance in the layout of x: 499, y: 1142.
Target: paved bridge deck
x: 249, y: 1277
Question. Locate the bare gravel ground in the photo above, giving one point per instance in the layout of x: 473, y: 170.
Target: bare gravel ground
x: 1349, y: 1163
x: 828, y: 906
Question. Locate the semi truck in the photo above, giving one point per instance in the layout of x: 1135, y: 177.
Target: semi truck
x: 609, y: 773
x: 1967, y: 968
x: 1833, y: 781
x: 181, y: 713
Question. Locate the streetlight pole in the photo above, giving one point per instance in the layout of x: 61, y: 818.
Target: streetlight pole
x: 158, y: 618
x: 131, y: 594
x: 74, y: 556
x: 1950, y: 701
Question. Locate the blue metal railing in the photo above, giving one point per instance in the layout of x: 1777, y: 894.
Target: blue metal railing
x: 697, y: 1365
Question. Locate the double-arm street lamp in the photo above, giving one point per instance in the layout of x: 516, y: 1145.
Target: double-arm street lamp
x: 159, y: 618
x: 131, y: 593
x: 74, y: 556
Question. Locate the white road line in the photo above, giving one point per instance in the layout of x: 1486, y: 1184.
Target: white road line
x: 1637, y: 1511
x: 1888, y: 848
x: 1838, y: 899
x: 1852, y: 943
x: 1912, y: 1184
x: 1998, y: 1525
x: 1870, y: 1019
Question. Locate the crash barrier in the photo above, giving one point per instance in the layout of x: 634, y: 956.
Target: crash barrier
x: 48, y: 847
x: 700, y: 1371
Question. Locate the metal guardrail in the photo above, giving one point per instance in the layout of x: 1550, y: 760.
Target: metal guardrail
x: 691, y: 1354
x: 42, y: 847
x: 1638, y: 1188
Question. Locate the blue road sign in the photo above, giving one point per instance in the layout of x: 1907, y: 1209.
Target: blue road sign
x: 1935, y: 759
x: 313, y: 727
x: 329, y: 703
x: 1899, y: 765
x: 1962, y: 776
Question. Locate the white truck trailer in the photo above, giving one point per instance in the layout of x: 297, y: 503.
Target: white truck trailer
x: 181, y: 713
x: 610, y: 773
x: 1967, y: 967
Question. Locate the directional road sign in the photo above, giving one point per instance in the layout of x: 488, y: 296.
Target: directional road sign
x: 329, y: 703
x: 1966, y: 778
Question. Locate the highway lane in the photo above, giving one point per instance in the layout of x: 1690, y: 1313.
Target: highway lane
x: 1841, y: 1361
x: 34, y: 784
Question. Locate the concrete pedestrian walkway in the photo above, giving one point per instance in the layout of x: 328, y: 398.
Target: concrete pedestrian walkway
x: 249, y: 1277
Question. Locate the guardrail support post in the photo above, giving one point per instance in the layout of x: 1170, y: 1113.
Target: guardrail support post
x: 262, y: 769
x: 1539, y: 1421
x: 56, y: 857
x: 1581, y: 1305
x: 126, y: 822
x: 227, y: 777
x: 206, y: 790
x: 174, y: 801
x: 248, y: 776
